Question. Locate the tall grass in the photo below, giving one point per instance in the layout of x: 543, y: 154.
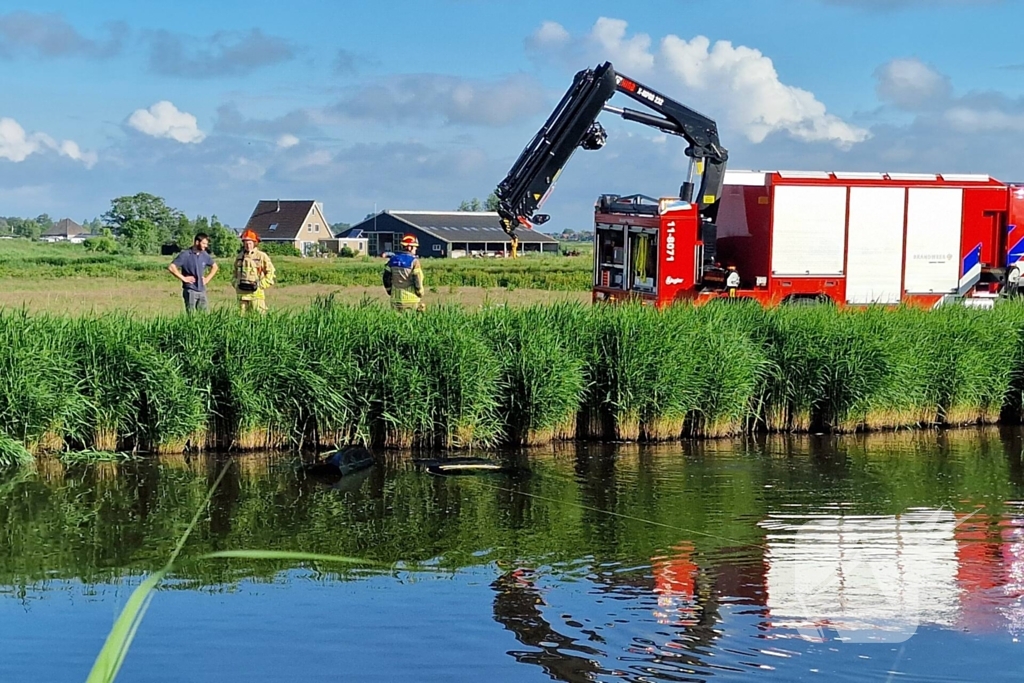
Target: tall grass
x: 452, y: 378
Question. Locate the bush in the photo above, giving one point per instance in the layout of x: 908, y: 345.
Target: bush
x: 103, y: 244
x: 347, y: 252
x: 279, y: 249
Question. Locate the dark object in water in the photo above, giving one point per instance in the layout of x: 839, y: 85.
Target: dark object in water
x: 463, y: 466
x: 341, y: 462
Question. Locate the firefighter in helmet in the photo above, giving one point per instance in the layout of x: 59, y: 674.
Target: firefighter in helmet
x: 732, y: 281
x: 253, y: 273
x: 403, y: 277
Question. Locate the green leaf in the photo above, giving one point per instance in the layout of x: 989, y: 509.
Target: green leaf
x: 115, y: 649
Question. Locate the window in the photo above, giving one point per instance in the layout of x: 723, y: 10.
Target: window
x: 436, y: 247
x: 317, y: 227
x: 273, y: 226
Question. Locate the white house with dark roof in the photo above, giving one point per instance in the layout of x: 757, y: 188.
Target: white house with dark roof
x: 65, y: 230
x: 298, y: 222
x: 448, y: 234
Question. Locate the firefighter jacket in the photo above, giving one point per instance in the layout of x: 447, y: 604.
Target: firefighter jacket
x: 403, y: 280
x: 254, y: 272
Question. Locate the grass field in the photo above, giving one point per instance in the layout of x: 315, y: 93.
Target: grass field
x: 20, y: 259
x: 78, y: 295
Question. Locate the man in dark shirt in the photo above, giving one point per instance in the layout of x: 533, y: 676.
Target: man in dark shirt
x: 190, y: 267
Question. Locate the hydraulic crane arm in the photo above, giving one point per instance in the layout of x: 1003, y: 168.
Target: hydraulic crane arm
x: 574, y: 124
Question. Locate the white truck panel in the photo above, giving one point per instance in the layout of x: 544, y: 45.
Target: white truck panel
x: 934, y: 216
x: 874, y: 258
x: 808, y: 230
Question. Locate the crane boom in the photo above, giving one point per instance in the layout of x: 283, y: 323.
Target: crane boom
x: 574, y: 124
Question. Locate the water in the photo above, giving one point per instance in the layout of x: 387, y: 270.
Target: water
x: 895, y: 557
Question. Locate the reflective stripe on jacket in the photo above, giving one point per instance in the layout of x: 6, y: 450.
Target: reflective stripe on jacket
x: 256, y: 267
x: 403, y: 278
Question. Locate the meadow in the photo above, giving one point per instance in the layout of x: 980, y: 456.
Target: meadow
x: 31, y: 261
x: 453, y: 378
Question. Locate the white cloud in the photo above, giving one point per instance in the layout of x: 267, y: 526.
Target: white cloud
x: 967, y: 119
x: 70, y: 149
x: 164, y: 120
x: 911, y: 84
x: 17, y: 145
x: 454, y: 100
x: 631, y: 54
x: 736, y: 84
x: 287, y: 140
x: 549, y: 35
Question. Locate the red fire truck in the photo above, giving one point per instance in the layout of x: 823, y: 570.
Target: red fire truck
x: 775, y: 237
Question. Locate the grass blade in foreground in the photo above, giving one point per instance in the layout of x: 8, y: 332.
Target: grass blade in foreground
x: 286, y: 555
x: 110, y: 659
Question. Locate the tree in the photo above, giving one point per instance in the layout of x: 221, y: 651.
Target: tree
x: 339, y: 227
x: 44, y: 222
x: 223, y: 240
x: 142, y: 221
x: 185, y: 230
x: 26, y: 227
x: 474, y: 204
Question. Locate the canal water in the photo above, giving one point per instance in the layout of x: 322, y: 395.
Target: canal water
x: 891, y: 557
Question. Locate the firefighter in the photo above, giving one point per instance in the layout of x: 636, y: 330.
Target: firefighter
x: 254, y: 272
x: 732, y: 282
x: 403, y: 277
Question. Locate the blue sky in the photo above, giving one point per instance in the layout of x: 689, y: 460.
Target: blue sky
x: 418, y: 105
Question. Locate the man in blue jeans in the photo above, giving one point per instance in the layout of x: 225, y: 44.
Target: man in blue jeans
x: 190, y: 267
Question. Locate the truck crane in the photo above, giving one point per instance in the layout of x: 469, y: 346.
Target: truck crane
x: 574, y: 124
x: 850, y: 238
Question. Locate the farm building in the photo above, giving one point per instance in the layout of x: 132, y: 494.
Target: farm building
x: 448, y: 234
x: 299, y: 222
x: 354, y: 241
x: 65, y: 230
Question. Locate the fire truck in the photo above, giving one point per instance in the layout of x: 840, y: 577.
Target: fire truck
x: 774, y: 237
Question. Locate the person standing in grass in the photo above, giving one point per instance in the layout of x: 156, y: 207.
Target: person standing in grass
x: 403, y: 277
x: 190, y: 266
x: 254, y: 272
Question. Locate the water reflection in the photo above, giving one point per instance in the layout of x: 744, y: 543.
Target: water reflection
x: 605, y: 563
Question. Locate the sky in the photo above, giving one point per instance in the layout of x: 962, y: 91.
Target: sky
x: 419, y: 104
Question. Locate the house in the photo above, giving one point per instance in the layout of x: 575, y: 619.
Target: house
x: 356, y: 241
x: 448, y: 234
x: 300, y: 223
x: 65, y: 230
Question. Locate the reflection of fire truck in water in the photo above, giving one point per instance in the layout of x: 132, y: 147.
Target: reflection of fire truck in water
x: 675, y: 583
x: 849, y: 238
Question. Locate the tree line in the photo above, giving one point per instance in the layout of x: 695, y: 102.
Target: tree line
x: 33, y: 228
x: 137, y: 224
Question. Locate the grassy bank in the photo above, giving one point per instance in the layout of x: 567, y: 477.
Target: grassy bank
x: 26, y: 260
x: 453, y: 378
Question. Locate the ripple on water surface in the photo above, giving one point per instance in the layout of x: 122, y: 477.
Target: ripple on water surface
x: 862, y: 558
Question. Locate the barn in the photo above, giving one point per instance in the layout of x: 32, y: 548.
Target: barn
x: 449, y: 234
